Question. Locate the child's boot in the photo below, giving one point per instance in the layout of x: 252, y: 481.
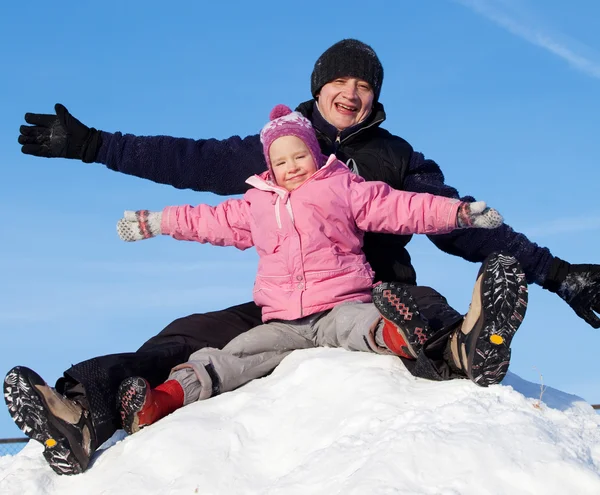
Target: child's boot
x: 480, y: 347
x: 139, y: 405
x: 405, y: 329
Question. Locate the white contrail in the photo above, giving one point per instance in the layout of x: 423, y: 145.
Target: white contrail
x: 566, y: 50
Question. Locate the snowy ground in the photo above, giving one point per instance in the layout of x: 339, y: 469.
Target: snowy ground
x: 328, y: 421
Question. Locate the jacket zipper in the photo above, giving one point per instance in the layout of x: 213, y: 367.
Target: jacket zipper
x: 338, y: 140
x: 291, y: 214
x: 375, y: 122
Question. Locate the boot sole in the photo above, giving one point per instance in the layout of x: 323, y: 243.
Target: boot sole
x: 30, y: 412
x: 130, y: 401
x: 395, y: 304
x: 504, y: 297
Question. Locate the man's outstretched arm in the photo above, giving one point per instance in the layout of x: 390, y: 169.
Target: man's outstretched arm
x: 577, y: 285
x: 475, y: 245
x: 218, y: 166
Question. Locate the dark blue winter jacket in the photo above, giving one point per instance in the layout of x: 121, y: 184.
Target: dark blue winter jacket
x: 222, y: 167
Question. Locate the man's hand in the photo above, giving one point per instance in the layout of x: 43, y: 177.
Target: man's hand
x: 478, y: 215
x: 139, y: 225
x: 60, y: 135
x: 579, y: 286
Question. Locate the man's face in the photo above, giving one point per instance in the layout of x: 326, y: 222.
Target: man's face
x: 345, y: 101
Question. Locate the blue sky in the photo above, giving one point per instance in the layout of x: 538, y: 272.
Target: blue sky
x: 504, y: 95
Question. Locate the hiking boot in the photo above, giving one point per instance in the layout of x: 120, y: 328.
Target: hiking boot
x: 62, y: 426
x: 139, y: 405
x: 480, y: 347
x: 405, y: 329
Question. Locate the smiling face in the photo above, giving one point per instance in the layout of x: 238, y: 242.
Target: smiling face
x: 345, y: 101
x: 291, y: 161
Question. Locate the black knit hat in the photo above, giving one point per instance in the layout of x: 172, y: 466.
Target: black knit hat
x: 347, y: 58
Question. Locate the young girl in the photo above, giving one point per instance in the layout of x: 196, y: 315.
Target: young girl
x: 306, y: 216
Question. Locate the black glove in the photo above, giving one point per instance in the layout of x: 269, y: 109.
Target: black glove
x: 579, y: 286
x: 60, y: 135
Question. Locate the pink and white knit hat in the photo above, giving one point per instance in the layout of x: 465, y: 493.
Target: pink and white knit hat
x: 284, y: 122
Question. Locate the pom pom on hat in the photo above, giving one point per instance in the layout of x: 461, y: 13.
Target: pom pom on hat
x: 284, y: 122
x: 279, y: 111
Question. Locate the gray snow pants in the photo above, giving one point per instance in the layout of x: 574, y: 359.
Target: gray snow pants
x: 256, y: 353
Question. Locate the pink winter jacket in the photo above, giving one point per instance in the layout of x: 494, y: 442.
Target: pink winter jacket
x: 310, y: 240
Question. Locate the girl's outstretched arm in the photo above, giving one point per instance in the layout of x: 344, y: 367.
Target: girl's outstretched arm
x: 227, y: 224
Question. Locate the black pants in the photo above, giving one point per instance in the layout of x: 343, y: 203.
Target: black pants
x: 95, y: 382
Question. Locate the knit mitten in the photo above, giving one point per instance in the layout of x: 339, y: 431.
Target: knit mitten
x: 478, y: 215
x: 139, y: 225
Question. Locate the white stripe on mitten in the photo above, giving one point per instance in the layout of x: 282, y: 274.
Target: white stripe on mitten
x: 139, y: 225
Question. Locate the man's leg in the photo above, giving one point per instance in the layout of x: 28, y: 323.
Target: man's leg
x: 74, y: 419
x: 223, y: 326
x: 480, y: 347
x: 98, y: 379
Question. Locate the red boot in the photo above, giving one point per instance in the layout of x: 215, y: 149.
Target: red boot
x: 395, y: 340
x: 139, y: 405
x: 405, y: 329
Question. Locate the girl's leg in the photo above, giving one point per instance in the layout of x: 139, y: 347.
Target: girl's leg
x: 209, y: 372
x: 353, y: 326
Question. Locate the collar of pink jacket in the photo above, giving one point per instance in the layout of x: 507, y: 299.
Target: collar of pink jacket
x: 264, y: 181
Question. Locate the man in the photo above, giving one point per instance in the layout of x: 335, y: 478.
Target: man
x: 73, y: 419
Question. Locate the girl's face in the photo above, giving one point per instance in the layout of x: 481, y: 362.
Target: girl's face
x: 291, y: 161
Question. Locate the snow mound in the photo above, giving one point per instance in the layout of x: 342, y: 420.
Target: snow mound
x: 329, y: 421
